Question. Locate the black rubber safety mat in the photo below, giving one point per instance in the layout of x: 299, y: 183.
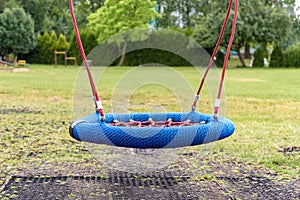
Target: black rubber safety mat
x: 115, y: 186
x: 181, y: 180
x: 165, y: 185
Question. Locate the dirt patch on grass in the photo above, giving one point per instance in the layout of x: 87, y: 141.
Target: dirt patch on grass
x: 24, y: 110
x: 249, y: 80
x: 290, y: 151
x: 9, y: 69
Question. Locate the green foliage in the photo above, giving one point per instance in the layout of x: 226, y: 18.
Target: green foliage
x: 61, y: 43
x: 54, y: 15
x: 89, y: 41
x: 8, y: 4
x: 117, y: 16
x: 190, y: 11
x: 257, y: 22
x: 49, y: 15
x: 276, y: 57
x: 16, y: 32
x: 46, y: 45
x: 291, y: 57
x: 142, y: 56
x: 2, y: 6
x: 294, y: 36
x: 84, y: 9
x: 259, y: 57
x: 43, y: 44
x: 166, y: 8
x: 120, y: 16
x: 219, y: 59
x: 161, y: 47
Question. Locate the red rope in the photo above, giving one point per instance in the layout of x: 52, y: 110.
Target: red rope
x: 236, y: 7
x: 214, y: 53
x: 97, y: 100
x: 217, y: 103
x: 98, y: 104
x: 151, y: 123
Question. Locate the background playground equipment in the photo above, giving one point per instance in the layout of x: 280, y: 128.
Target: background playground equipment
x: 66, y: 58
x: 22, y: 63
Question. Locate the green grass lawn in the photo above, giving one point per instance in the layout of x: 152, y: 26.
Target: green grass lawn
x: 36, y: 109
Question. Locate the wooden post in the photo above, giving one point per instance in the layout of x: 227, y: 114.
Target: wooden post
x: 58, y: 53
x: 55, y: 58
x: 74, y: 59
x: 65, y: 58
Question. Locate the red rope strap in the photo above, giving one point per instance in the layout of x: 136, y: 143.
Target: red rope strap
x: 214, y: 54
x: 97, y: 100
x: 217, y: 103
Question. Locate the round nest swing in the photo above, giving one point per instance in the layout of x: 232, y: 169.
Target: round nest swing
x: 155, y: 130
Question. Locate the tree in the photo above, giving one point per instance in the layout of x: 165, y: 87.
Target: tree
x: 190, y: 10
x: 119, y: 16
x: 2, y: 6
x: 167, y: 8
x: 16, y: 32
x: 257, y: 23
x: 49, y: 15
x: 8, y: 4
x: 54, y: 15
x: 93, y: 5
x: 181, y: 13
x: 84, y: 8
x: 294, y: 36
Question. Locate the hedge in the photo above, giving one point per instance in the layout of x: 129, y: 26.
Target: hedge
x: 276, y: 57
x: 291, y: 57
x: 89, y: 41
x: 259, y: 58
x: 45, y: 46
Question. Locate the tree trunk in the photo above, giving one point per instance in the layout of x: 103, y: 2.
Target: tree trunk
x: 247, y: 51
x: 123, y: 54
x: 13, y: 58
x: 241, y: 57
x: 187, y: 12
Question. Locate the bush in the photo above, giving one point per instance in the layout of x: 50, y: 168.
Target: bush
x: 140, y: 56
x: 41, y: 53
x: 149, y: 55
x: 89, y: 41
x: 291, y: 57
x: 16, y: 32
x: 276, y: 57
x: 45, y: 47
x: 259, y: 58
x: 220, y: 59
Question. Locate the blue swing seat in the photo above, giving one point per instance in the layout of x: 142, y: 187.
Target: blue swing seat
x: 206, y: 129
